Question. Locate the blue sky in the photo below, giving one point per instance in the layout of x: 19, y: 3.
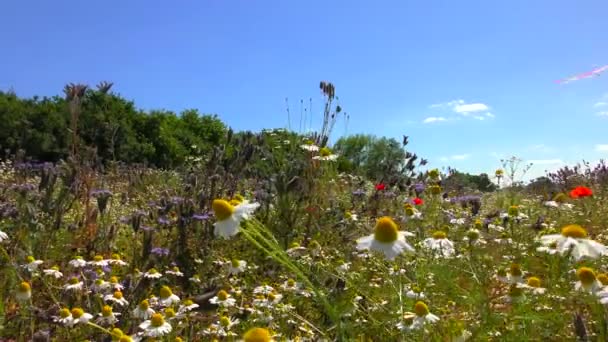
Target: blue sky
x: 395, y: 65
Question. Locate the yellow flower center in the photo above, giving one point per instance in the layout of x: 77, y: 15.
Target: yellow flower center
x: 348, y: 215
x: 25, y: 287
x: 291, y: 282
x: 421, y: 309
x: 435, y: 189
x: 116, y: 256
x: 77, y: 313
x: 106, y: 311
x: 117, y: 294
x: 574, y: 231
x: 586, y: 275
x: 439, y: 235
x: 169, y: 312
x: 234, y: 202
x: 499, y: 172
x: 30, y: 259
x: 409, y: 210
x: 222, y: 209
x: 98, y: 258
x: 235, y: 263
x: 294, y: 245
x: 175, y: 269
x: 473, y: 234
x: 239, y: 198
x: 257, y: 335
x: 434, y: 174
x: 515, y: 270
x: 64, y: 313
x: 603, y: 278
x: 55, y: 268
x: 222, y: 295
x: 325, y: 152
x: 533, y: 282
x: 478, y: 223
x: 513, y: 210
x: 114, y: 280
x: 116, y: 334
x: 272, y: 296
x: 144, y: 305
x: 224, y: 321
x: 74, y: 281
x: 99, y: 282
x: 125, y: 338
x: 165, y: 292
x: 152, y: 271
x: 386, y: 230
x: 157, y: 320
x: 187, y: 302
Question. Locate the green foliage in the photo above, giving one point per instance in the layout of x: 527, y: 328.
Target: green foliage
x: 109, y: 124
x: 460, y: 181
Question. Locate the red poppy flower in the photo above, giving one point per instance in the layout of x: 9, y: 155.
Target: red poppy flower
x: 418, y: 201
x: 380, y: 186
x: 581, y: 191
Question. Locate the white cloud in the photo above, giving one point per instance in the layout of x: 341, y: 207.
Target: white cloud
x: 434, y: 119
x: 540, y: 148
x: 546, y: 161
x: 600, y: 104
x: 602, y: 113
x: 479, y: 110
x: 601, y: 147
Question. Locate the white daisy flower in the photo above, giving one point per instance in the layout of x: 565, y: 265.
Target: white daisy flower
x: 100, y: 285
x: 267, y: 301
x: 32, y: 264
x: 264, y: 289
x: 513, y: 276
x: 386, y: 239
x: 115, y: 260
x: 107, y: 316
x: 3, y: 236
x: 74, y: 284
x: 24, y: 292
x: 143, y: 310
x: 573, y: 239
x: 458, y: 221
x: 77, y: 262
x: 326, y: 154
x: 534, y: 284
x: 419, y: 318
x: 223, y: 299
x: 98, y: 261
x: 65, y: 317
x: 113, y: 283
x: 79, y: 316
x: 295, y: 250
x: 310, y: 147
x: 229, y: 217
x: 156, y: 326
x: 53, y: 272
x: 415, y: 293
x: 175, y: 271
x: 349, y: 216
x: 195, y: 279
x: 117, y: 298
x: 187, y: 305
x: 440, y: 245
x: 551, y: 204
x: 344, y: 267
x: 587, y: 281
x: 236, y: 266
x: 167, y: 298
x: 290, y: 285
x: 152, y: 274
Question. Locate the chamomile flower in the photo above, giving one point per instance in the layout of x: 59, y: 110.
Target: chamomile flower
x: 143, y: 310
x: 295, y: 250
x: 117, y: 298
x: 65, y: 317
x: 79, y: 316
x: 98, y: 261
x: 267, y: 301
x: 113, y: 283
x: 187, y: 305
x: 167, y: 298
x: 310, y: 147
x: 77, y: 262
x: 573, y: 238
x: 587, y: 281
x: 513, y: 276
x: 223, y: 299
x: 74, y: 284
x: 350, y: 217
x: 326, y: 154
x: 100, y: 285
x: 458, y: 221
x: 116, y: 260
x: 423, y: 316
x: 195, y: 279
x: 3, y: 236
x: 156, y: 326
x: 257, y: 335
x: 53, y: 272
x: 386, y: 239
x: 236, y: 266
x: 24, y: 292
x: 152, y: 274
x: 32, y: 264
x: 175, y: 271
x: 534, y: 284
x: 515, y: 294
x: 290, y: 285
x: 415, y: 293
x: 440, y: 245
x: 229, y: 216
x: 107, y: 316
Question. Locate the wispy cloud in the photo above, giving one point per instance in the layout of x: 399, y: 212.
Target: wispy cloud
x: 601, y: 147
x: 432, y: 119
x: 546, y: 161
x: 600, y: 104
x: 455, y: 157
x: 476, y: 110
x: 602, y: 113
x: 540, y: 148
